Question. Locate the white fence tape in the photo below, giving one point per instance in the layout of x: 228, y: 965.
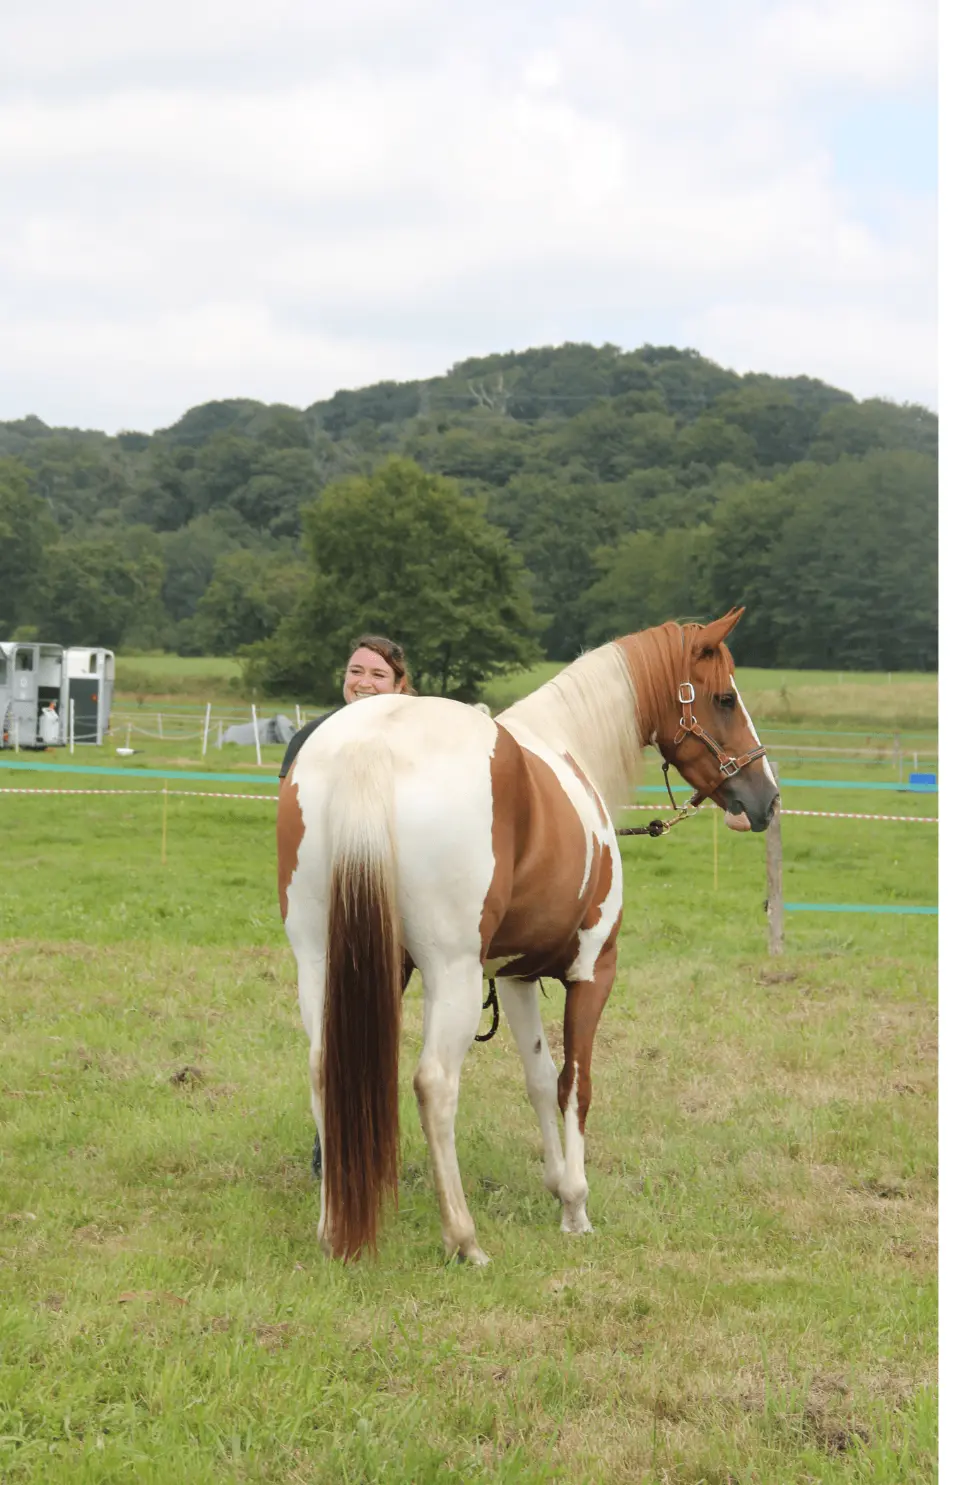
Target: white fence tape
x: 225, y: 794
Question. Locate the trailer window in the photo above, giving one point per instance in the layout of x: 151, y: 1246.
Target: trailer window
x: 24, y: 660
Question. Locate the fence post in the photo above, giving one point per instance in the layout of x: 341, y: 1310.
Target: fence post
x: 72, y: 724
x: 297, y: 717
x: 159, y: 717
x: 773, y: 871
x: 205, y: 729
x: 258, y: 746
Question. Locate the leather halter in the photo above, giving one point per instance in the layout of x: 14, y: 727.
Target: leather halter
x: 729, y: 766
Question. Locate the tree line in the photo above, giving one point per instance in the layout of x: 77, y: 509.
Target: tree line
x: 524, y: 504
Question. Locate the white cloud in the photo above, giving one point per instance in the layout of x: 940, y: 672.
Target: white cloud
x: 391, y: 204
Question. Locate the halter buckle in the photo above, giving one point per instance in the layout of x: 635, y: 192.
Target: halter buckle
x: 731, y: 767
x: 681, y: 697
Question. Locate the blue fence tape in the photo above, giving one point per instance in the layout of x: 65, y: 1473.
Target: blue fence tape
x: 134, y: 771
x: 852, y: 907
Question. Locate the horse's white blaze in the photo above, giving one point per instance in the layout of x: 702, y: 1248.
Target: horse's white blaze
x: 751, y: 725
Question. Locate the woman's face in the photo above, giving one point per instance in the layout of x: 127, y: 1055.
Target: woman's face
x: 367, y: 674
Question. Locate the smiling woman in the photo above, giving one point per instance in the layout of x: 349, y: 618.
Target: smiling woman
x: 376, y: 666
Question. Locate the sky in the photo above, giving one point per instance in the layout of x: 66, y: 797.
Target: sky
x: 216, y: 198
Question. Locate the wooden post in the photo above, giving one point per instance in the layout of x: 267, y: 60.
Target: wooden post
x: 16, y: 734
x: 72, y: 724
x: 205, y: 729
x: 899, y: 758
x: 258, y: 746
x: 297, y: 717
x: 219, y: 744
x: 773, y: 873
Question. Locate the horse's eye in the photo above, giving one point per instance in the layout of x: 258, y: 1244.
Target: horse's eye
x: 728, y: 700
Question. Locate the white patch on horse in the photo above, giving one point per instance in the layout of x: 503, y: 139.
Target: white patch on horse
x: 573, y: 1188
x: 758, y: 742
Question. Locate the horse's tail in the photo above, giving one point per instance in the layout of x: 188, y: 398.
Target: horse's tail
x: 362, y: 1001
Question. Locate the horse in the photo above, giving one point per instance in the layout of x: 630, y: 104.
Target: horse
x: 418, y: 832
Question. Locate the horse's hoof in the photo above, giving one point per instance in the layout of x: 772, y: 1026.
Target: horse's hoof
x: 472, y: 1254
x: 577, y: 1226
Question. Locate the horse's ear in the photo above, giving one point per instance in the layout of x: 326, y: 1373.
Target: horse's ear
x: 711, y: 637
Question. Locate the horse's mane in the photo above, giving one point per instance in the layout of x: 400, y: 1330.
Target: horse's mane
x: 605, y: 705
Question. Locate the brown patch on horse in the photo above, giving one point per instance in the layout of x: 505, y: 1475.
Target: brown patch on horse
x: 537, y: 900
x: 588, y: 786
x: 290, y: 830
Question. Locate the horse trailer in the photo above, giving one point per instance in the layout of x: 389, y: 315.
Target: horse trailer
x: 40, y: 685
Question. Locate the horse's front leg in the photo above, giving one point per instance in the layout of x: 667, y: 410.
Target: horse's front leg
x: 585, y: 1000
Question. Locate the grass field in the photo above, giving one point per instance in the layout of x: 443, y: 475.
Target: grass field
x: 799, y: 698
x: 757, y: 1304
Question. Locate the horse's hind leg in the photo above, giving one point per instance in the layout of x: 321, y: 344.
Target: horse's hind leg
x: 521, y: 1003
x: 585, y: 1000
x: 452, y: 1004
x: 311, y: 1003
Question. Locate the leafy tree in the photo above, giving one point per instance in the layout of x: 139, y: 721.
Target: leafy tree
x: 405, y: 553
x: 854, y: 568
x: 248, y: 596
x: 780, y: 428
x: 91, y: 591
x: 711, y: 441
x: 190, y: 555
x: 648, y: 578
x: 863, y: 427
x: 26, y: 527
x: 837, y: 564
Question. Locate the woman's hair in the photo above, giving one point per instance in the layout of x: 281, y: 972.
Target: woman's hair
x: 390, y: 652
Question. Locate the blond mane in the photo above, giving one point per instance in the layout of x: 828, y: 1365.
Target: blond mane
x: 589, y: 711
x: 606, y: 706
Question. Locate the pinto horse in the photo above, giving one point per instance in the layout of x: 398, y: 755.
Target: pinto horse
x: 415, y: 831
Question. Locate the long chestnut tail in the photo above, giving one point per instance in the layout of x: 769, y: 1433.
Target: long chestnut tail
x: 362, y: 1003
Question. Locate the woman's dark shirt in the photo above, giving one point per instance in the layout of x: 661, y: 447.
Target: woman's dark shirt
x: 291, y: 752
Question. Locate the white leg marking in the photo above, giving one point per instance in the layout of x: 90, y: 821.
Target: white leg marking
x: 311, y: 1001
x: 573, y: 1187
x: 453, y: 997
x: 521, y: 1006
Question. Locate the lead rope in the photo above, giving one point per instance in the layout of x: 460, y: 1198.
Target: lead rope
x: 490, y: 1004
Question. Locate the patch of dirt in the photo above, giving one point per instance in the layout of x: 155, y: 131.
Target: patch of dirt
x: 275, y: 1337
x: 187, y: 1077
x: 776, y: 977
x: 834, y: 1435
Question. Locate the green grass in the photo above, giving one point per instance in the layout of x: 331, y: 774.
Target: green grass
x: 208, y: 677
x: 786, y: 698
x: 756, y: 1305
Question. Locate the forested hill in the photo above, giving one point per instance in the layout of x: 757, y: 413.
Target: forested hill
x: 635, y: 486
